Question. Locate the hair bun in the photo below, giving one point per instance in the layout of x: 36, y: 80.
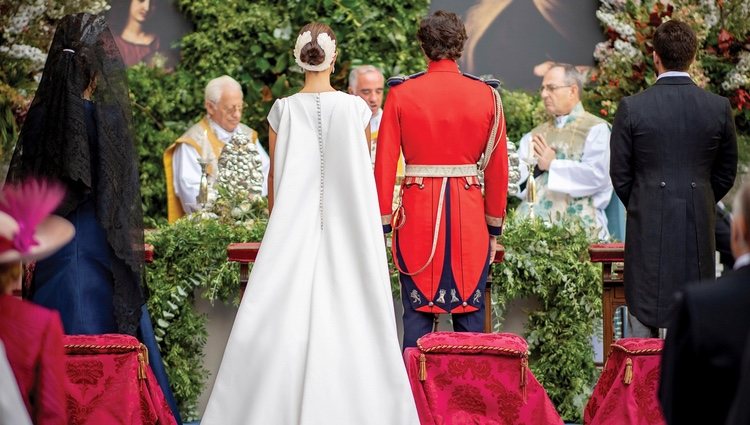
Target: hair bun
x: 315, y: 49
x: 312, y: 53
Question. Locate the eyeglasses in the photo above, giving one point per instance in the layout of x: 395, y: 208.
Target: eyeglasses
x: 552, y: 87
x: 230, y: 109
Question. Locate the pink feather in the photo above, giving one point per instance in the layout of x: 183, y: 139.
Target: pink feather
x: 29, y: 203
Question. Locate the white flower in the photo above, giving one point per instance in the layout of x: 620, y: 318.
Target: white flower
x: 627, y: 49
x: 57, y: 10
x: 711, y: 18
x: 602, y: 51
x: 27, y: 13
x: 609, y: 20
x: 740, y: 75
x: 22, y: 51
x: 616, y: 5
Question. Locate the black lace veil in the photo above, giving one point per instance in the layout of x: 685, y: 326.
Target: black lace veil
x: 54, y: 143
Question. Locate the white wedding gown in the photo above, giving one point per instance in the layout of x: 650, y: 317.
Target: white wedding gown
x: 314, y: 341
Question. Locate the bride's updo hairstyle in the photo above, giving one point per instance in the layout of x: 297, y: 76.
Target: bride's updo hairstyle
x: 315, y: 47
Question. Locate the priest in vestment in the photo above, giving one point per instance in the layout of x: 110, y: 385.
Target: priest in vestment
x: 571, y: 156
x: 204, y: 142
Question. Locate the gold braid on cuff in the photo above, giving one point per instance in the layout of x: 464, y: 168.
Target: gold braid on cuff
x: 494, y: 221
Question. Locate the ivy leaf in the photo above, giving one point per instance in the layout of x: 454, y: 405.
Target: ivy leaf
x: 262, y: 64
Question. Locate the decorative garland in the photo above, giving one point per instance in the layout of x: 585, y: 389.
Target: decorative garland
x: 551, y: 263
x: 190, y: 260
x: 546, y: 261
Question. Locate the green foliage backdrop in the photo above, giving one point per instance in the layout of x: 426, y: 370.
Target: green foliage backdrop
x: 253, y: 41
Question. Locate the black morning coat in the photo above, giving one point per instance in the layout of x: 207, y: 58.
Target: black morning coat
x: 673, y: 157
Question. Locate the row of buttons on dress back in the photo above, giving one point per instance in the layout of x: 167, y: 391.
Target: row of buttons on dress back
x: 320, y: 149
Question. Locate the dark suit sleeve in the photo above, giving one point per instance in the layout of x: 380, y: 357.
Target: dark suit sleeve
x: 740, y: 411
x: 621, y: 153
x: 724, y: 168
x: 681, y: 384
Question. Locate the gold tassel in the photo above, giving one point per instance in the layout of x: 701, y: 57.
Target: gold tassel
x: 142, y: 361
x: 144, y: 350
x: 141, y: 366
x: 524, y: 366
x: 422, y: 367
x: 628, y: 378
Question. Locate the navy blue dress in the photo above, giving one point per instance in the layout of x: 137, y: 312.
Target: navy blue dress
x: 77, y: 280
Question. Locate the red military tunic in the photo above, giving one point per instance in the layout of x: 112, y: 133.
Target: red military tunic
x: 442, y: 118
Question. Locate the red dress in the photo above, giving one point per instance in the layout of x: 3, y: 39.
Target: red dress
x: 33, y: 339
x: 442, y: 118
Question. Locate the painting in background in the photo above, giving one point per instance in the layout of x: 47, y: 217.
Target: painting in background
x: 147, y: 31
x: 513, y: 40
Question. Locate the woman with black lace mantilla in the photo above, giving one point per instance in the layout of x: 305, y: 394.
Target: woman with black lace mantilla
x: 78, y: 131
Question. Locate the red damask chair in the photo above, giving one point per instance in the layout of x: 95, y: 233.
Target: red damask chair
x: 476, y: 378
x: 109, y: 382
x: 626, y: 393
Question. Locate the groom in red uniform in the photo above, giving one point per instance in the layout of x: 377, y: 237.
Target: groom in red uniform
x: 451, y: 129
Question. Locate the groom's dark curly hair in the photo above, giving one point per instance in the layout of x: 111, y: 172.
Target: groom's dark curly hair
x: 442, y: 35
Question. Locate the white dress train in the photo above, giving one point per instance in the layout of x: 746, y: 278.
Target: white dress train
x: 314, y: 341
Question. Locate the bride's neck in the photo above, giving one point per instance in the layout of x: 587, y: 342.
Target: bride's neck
x: 316, y: 82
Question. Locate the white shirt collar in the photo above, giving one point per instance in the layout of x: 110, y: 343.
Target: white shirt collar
x: 742, y: 261
x: 375, y: 120
x: 221, y: 134
x: 672, y: 74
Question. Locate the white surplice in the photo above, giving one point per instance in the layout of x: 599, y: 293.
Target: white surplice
x: 187, y: 170
x: 587, y: 177
x: 314, y: 341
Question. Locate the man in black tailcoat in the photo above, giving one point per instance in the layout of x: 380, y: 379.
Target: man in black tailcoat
x: 673, y: 156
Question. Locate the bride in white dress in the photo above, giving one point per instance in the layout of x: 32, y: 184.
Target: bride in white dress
x: 314, y: 341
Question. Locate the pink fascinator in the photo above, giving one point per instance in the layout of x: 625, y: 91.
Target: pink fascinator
x: 27, y: 230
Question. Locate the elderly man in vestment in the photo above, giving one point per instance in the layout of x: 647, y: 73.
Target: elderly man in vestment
x: 202, y: 145
x: 570, y: 154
